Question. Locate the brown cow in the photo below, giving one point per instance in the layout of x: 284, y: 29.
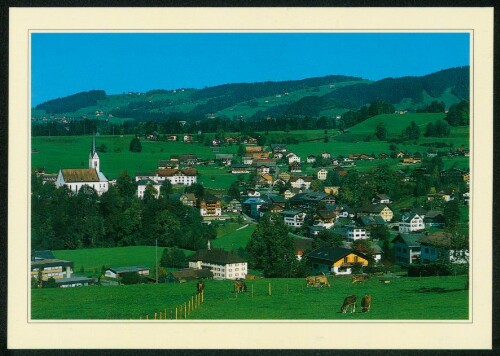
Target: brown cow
x: 239, y: 286
x: 200, y: 286
x: 366, y: 303
x: 311, y: 281
x: 349, y: 301
x: 317, y: 281
x: 360, y: 278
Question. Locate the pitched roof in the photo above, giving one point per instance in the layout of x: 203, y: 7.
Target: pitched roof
x: 80, y: 175
x: 372, y: 220
x: 216, y: 256
x: 439, y: 239
x: 45, y: 254
x: 332, y: 254
x: 411, y: 240
x: 189, y: 171
x: 128, y: 269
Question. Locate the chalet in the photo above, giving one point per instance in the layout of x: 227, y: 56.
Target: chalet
x: 311, y: 159
x: 143, y: 184
x: 341, y: 211
x: 270, y: 207
x: 293, y: 218
x: 210, y: 206
x: 371, y: 221
x: 240, y: 169
x: 118, y: 272
x: 325, y: 155
x: 307, y: 200
x: 188, y: 199
x: 265, y: 180
x: 223, y: 264
x: 224, y: 158
x: 253, y: 193
x: 295, y: 167
x: 335, y: 260
x: 252, y: 206
x: 301, y: 182
x: 188, y: 138
x: 171, y: 138
x: 407, y: 248
x: 289, y: 193
x: 381, y: 199
x: 442, y: 196
x: 321, y: 174
x: 377, y: 209
x: 439, y: 246
x: 411, y: 222
x: 263, y: 169
x: 278, y: 155
x: 92, y: 177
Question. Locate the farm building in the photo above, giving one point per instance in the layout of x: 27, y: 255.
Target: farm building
x: 223, y: 264
x: 91, y: 177
x: 335, y: 260
x: 51, y: 267
x: 118, y: 272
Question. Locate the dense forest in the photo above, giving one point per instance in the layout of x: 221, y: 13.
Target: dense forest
x: 61, y: 220
x: 72, y: 102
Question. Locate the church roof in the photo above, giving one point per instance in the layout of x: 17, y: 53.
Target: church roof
x: 80, y: 175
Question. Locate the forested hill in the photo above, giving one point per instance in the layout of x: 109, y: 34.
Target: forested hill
x: 327, y: 96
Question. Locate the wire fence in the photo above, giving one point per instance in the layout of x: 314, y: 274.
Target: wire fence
x: 178, y: 312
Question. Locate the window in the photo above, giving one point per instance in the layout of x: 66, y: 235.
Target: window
x: 345, y: 259
x: 426, y: 250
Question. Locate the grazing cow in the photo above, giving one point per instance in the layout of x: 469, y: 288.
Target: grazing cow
x: 349, y: 301
x: 200, y: 286
x: 240, y: 286
x: 366, y: 303
x: 360, y: 278
x: 317, y: 281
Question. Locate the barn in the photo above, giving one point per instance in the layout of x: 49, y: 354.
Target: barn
x: 335, y: 260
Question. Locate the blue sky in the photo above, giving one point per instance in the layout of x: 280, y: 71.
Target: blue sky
x: 66, y: 63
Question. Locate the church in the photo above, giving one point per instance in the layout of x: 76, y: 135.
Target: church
x: 92, y: 177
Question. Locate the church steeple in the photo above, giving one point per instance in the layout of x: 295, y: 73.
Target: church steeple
x: 93, y: 156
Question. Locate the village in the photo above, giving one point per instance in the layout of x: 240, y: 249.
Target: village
x: 305, y: 193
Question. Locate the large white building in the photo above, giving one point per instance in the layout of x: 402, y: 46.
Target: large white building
x: 223, y: 264
x: 411, y: 222
x: 91, y: 177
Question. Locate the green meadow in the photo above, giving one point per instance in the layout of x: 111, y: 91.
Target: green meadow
x: 232, y: 236
x: 430, y: 298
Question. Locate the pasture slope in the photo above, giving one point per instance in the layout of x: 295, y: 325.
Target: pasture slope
x: 430, y: 298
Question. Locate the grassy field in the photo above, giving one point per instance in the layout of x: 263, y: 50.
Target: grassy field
x: 431, y: 298
x: 233, y: 236
x: 93, y: 259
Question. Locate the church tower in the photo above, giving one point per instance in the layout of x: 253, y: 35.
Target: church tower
x: 93, y: 156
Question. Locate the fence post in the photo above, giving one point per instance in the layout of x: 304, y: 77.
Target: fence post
x: 175, y: 313
x: 155, y: 315
x: 185, y: 310
x: 269, y: 288
x: 166, y: 315
x: 147, y: 316
x: 202, y: 295
x: 192, y: 302
x: 252, y: 290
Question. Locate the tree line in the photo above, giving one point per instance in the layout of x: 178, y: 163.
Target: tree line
x: 64, y: 220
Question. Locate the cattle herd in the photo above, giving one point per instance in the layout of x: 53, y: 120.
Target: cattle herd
x: 349, y: 301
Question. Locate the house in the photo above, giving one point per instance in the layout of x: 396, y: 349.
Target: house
x: 189, y: 274
x: 50, y: 268
x: 443, y: 196
x: 234, y: 206
x: 210, y: 206
x: 247, y: 160
x: 168, y: 164
x: 263, y: 169
x: 118, y: 272
x: 285, y: 176
x: 322, y: 173
x: 223, y: 264
x: 311, y: 159
x: 253, y: 149
x: 357, y: 233
x: 252, y: 206
x: 325, y: 218
x: 188, y: 199
x: 315, y: 230
x: 278, y: 147
x: 434, y: 218
x: 188, y: 159
x: 308, y: 200
x: 331, y: 190
x: 377, y: 209
x: 381, y: 199
x: 92, y: 177
x: 295, y: 167
x: 185, y: 176
x: 292, y: 157
x: 411, y: 160
x: 325, y: 155
x: 224, y: 158
x: 335, y: 260
x: 289, y: 193
x: 411, y: 222
x: 143, y: 184
x: 301, y: 182
x: 278, y: 155
x: 239, y: 169
x: 171, y: 138
x: 293, y: 218
x: 265, y: 179
x: 371, y: 221
x: 188, y: 138
x: 407, y: 248
x: 438, y: 246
